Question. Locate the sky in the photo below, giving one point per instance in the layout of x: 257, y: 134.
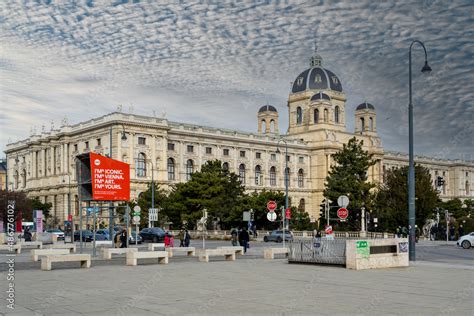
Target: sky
x: 215, y: 64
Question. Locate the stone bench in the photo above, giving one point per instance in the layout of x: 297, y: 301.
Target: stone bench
x: 206, y: 253
x: 238, y: 249
x: 71, y: 247
x: 16, y: 247
x: 133, y: 256
x: 269, y: 253
x: 107, y: 252
x: 84, y: 259
x: 35, y: 253
x: 152, y: 246
x: 190, y: 251
x: 36, y: 244
x: 102, y: 243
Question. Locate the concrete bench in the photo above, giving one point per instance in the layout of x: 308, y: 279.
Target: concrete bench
x: 16, y: 247
x: 269, y: 253
x: 107, y: 252
x: 36, y: 244
x: 152, y: 246
x: 102, y: 243
x: 206, y: 253
x: 133, y: 256
x: 35, y: 253
x: 71, y: 247
x: 238, y: 249
x: 190, y: 251
x: 84, y: 259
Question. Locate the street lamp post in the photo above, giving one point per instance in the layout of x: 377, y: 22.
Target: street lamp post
x: 411, y: 164
x: 286, y: 183
x: 69, y: 214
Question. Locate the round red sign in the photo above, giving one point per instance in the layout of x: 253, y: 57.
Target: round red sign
x: 271, y: 206
x: 328, y: 230
x: 342, y: 213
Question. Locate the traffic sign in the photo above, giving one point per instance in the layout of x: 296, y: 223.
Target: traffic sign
x: 342, y: 213
x: 153, y: 214
x: 69, y: 217
x: 271, y: 216
x: 288, y: 213
x: 271, y: 206
x: 343, y: 201
x: 136, y: 219
x: 328, y: 230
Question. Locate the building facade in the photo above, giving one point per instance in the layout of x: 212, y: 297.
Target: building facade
x: 43, y: 165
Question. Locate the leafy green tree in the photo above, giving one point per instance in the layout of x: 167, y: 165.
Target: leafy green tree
x: 349, y: 177
x: 22, y: 203
x: 391, y: 204
x: 469, y: 207
x: 258, y: 202
x: 214, y: 189
x: 300, y: 220
x: 454, y: 206
x: 36, y: 204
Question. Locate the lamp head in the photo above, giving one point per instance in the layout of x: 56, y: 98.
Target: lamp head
x: 426, y: 68
x: 124, y: 137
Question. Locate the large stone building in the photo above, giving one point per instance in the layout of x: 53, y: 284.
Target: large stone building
x: 43, y: 164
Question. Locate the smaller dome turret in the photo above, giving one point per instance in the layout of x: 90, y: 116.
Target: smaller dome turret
x: 365, y: 106
x: 365, y: 119
x: 267, y: 107
x: 267, y: 120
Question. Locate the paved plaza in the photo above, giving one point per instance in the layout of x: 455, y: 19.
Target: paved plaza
x: 248, y: 286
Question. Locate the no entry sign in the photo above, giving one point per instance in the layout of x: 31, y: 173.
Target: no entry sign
x: 342, y: 213
x: 271, y: 206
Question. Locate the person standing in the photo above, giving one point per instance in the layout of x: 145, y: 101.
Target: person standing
x: 167, y: 240
x: 181, y: 237
x: 187, y: 238
x: 244, y: 239
x: 452, y: 232
x: 234, y: 237
x: 123, y: 239
x: 27, y: 234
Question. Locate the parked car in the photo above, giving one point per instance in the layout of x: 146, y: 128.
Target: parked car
x: 87, y: 235
x: 59, y: 233
x: 133, y: 236
x: 154, y: 234
x: 277, y: 235
x: 466, y: 241
x: 104, y: 232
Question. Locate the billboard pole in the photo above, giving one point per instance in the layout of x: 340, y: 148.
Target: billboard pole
x: 111, y: 208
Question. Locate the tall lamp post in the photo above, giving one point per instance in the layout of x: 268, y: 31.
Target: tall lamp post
x: 69, y: 214
x: 287, y: 180
x: 411, y: 164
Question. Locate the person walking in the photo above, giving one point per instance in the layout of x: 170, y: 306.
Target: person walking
x: 27, y: 234
x: 171, y: 239
x: 123, y: 239
x: 234, y: 237
x: 181, y: 237
x: 187, y: 238
x: 117, y: 239
x: 244, y: 239
x: 451, y: 232
x: 167, y: 240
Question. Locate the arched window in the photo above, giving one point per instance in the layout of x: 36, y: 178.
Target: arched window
x: 300, y: 178
x: 371, y: 124
x: 242, y: 173
x: 76, y: 205
x: 189, y: 169
x: 171, y: 172
x: 264, y: 125
x: 141, y: 165
x: 23, y: 178
x: 16, y: 179
x: 258, y: 175
x: 336, y: 114
x: 301, y: 205
x: 225, y: 166
x: 316, y: 116
x: 272, y: 126
x: 272, y: 176
x: 362, y: 124
x: 287, y: 176
x: 299, y: 115
x: 468, y: 189
x: 326, y: 114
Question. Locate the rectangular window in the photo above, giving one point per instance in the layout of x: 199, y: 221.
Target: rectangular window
x: 87, y: 145
x: 273, y: 157
x: 258, y: 155
x: 225, y: 152
x: 141, y: 140
x: 242, y: 153
x: 99, y: 142
x: 288, y: 158
x: 301, y: 159
x: 171, y: 146
x: 190, y: 148
x: 208, y: 150
x: 75, y: 147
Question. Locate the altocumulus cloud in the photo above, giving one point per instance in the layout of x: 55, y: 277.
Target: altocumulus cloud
x: 215, y: 64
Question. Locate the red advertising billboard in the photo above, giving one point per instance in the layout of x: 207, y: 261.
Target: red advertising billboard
x: 110, y: 179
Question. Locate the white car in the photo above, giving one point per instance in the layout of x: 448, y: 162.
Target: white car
x: 59, y: 233
x: 466, y: 241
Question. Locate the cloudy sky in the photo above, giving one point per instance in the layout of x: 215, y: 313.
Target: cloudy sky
x: 214, y: 64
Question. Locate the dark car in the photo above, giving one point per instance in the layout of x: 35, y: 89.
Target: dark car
x: 277, y: 235
x: 154, y: 234
x: 134, y: 238
x: 104, y: 232
x: 87, y: 235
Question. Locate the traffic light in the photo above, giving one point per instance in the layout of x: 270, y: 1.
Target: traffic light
x: 322, y: 209
x: 439, y: 181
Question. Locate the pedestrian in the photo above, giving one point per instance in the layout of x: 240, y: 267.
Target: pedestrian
x: 234, y: 237
x: 255, y: 231
x: 181, y: 237
x: 318, y: 233
x: 404, y: 232
x: 167, y: 240
x: 433, y: 232
x: 123, y: 239
x: 398, y: 231
x: 27, y: 234
x: 460, y: 231
x: 117, y: 240
x: 187, y: 238
x: 452, y: 232
x: 171, y: 239
x: 244, y: 239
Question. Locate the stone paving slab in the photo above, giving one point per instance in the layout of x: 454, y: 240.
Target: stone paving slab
x: 243, y: 287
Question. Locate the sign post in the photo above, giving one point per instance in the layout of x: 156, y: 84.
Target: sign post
x: 136, y: 221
